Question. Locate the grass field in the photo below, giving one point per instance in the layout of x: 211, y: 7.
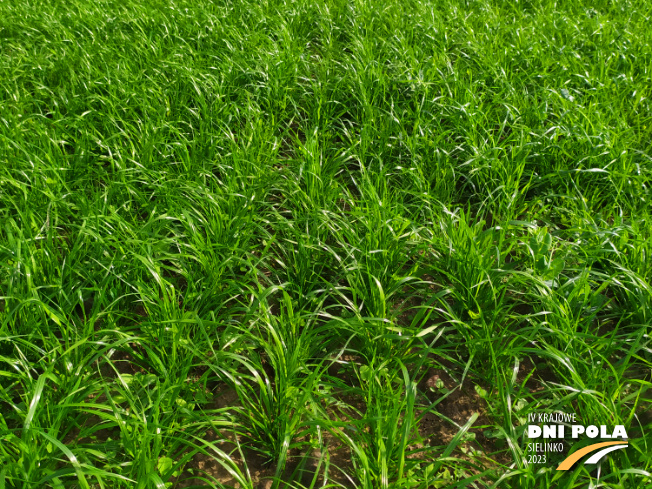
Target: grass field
x: 325, y: 243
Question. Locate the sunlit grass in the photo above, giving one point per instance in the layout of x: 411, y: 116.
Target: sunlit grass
x: 245, y: 243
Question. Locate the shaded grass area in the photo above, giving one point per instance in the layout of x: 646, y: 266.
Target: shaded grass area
x: 322, y: 244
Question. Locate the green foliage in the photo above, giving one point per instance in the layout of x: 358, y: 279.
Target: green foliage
x: 238, y: 239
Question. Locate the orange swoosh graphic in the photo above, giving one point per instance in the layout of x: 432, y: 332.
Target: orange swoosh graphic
x: 571, y: 459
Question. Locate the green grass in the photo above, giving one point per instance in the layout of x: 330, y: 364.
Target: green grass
x: 238, y: 240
